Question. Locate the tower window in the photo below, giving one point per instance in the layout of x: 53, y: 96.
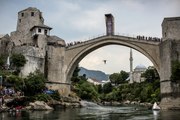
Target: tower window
x: 22, y: 14
x: 45, y: 32
x: 32, y: 13
x: 20, y: 20
x: 39, y: 30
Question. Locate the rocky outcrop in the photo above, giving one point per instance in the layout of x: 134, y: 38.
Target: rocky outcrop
x: 66, y: 102
x: 38, y: 105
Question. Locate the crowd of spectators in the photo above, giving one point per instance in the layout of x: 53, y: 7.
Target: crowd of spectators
x: 74, y: 43
x: 156, y: 39
x: 6, y: 93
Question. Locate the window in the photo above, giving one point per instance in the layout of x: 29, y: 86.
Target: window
x: 32, y: 13
x: 22, y: 14
x: 39, y: 30
x: 45, y: 32
x: 20, y: 20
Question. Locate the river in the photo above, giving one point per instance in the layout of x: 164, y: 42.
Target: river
x: 94, y: 112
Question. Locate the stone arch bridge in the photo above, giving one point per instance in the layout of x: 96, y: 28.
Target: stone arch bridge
x: 77, y: 52
x: 62, y: 62
x: 67, y: 58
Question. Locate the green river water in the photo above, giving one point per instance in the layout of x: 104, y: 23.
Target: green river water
x: 93, y: 112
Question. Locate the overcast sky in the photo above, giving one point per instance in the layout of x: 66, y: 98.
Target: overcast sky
x: 74, y: 20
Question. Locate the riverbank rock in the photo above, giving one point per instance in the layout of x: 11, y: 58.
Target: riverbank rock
x: 64, y: 104
x: 38, y: 105
x: 113, y: 103
x: 147, y: 105
x: 4, y: 108
x: 127, y: 102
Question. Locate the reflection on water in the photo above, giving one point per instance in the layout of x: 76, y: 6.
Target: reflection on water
x: 94, y: 113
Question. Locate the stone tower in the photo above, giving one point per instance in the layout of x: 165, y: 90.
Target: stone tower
x: 28, y: 18
x: 169, y: 52
x: 29, y: 22
x: 131, y: 66
x: 170, y: 28
x: 30, y: 39
x: 109, y: 24
x: 42, y: 51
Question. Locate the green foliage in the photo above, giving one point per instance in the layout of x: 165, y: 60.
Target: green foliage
x: 18, y: 60
x: 75, y: 78
x: 34, y: 83
x: 42, y: 97
x: 55, y: 95
x: 118, y: 78
x: 100, y: 89
x: 150, y: 74
x: 112, y: 96
x: 75, y: 73
x: 148, y: 91
x: 46, y: 97
x: 86, y: 90
x: 114, y: 78
x: 3, y: 59
x: 17, y: 81
x: 175, y: 69
x: 123, y: 75
x: 144, y: 92
x: 107, y: 88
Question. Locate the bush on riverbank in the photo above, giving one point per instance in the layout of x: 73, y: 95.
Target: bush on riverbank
x: 147, y: 91
x: 86, y: 90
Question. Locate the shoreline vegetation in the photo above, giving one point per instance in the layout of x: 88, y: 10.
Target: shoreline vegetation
x: 68, y: 102
x: 30, y: 93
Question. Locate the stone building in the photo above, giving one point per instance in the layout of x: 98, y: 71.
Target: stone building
x: 42, y: 51
x: 135, y: 75
x: 138, y: 71
x: 32, y: 38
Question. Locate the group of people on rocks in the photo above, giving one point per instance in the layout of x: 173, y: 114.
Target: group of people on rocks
x: 149, y: 38
x: 8, y: 93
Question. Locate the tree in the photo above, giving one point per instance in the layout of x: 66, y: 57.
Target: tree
x: 100, y: 89
x: 75, y: 75
x: 16, y: 81
x: 18, y: 60
x: 76, y: 71
x: 114, y: 78
x: 124, y: 75
x: 86, y: 90
x: 2, y: 61
x: 150, y: 74
x: 107, y: 87
x: 34, y: 83
x: 118, y: 78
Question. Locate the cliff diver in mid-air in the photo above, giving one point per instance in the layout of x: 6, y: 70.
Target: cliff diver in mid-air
x: 104, y: 61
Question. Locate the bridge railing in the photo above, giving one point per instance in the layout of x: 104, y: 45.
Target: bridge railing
x: 135, y: 37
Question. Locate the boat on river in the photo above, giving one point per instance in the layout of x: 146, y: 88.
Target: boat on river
x: 155, y: 106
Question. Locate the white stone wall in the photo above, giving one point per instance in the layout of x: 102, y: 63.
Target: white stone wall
x: 34, y: 57
x: 56, y: 68
x: 137, y: 77
x: 33, y: 64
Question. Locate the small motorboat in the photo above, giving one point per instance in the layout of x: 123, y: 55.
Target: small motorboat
x: 155, y: 106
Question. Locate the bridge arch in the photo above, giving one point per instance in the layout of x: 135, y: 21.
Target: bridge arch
x: 148, y: 48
